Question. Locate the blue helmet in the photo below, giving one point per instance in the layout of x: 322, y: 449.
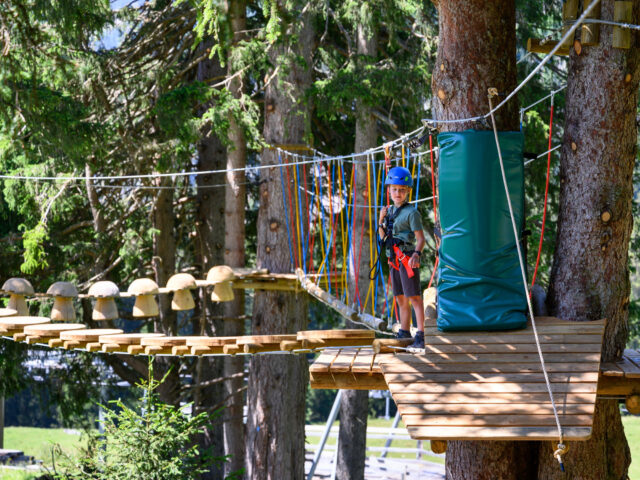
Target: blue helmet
x: 399, y: 176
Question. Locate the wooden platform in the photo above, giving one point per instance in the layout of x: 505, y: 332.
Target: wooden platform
x: 481, y: 384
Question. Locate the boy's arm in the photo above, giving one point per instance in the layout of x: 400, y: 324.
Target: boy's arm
x: 414, y: 262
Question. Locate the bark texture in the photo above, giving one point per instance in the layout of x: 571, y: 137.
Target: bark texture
x: 590, y: 275
x: 277, y: 384
x: 476, y: 51
x: 234, y: 256
x: 354, y: 408
x: 210, y: 214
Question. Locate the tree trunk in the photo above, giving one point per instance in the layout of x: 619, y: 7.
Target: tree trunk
x: 277, y: 383
x: 590, y: 275
x: 354, y: 408
x: 234, y: 256
x: 476, y: 51
x: 210, y: 214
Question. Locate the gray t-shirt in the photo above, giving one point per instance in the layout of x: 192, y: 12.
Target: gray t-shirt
x: 407, y: 222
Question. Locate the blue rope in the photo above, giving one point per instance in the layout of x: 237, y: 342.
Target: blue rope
x: 286, y: 211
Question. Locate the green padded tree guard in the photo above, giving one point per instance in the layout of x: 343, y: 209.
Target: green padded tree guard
x: 479, y: 279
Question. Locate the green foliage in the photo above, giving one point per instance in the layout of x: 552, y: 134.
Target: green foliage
x: 156, y: 444
x: 11, y: 372
x: 34, y: 252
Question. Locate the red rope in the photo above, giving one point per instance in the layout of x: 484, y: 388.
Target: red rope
x: 360, y: 247
x: 306, y: 206
x: 293, y: 229
x: 546, y: 195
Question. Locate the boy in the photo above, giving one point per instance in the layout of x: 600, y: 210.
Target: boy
x: 400, y: 227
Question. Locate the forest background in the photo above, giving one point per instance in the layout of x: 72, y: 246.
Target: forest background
x: 108, y: 88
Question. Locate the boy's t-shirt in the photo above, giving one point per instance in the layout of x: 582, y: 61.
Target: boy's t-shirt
x: 407, y: 222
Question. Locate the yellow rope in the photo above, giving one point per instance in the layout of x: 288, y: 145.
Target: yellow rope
x: 298, y: 226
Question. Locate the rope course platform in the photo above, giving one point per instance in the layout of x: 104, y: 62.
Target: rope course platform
x: 487, y: 385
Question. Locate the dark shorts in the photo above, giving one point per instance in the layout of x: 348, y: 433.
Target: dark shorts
x: 402, y: 284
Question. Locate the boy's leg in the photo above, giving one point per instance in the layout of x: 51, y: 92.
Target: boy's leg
x: 418, y: 307
x: 404, y: 309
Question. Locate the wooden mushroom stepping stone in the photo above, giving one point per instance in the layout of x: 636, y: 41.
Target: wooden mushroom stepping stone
x: 87, y: 339
x: 49, y: 332
x: 209, y: 345
x: 261, y: 343
x: 165, y: 345
x: 8, y: 312
x: 14, y: 325
x: 335, y: 338
x: 125, y: 342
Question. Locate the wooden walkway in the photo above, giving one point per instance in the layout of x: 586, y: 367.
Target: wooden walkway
x: 485, y: 384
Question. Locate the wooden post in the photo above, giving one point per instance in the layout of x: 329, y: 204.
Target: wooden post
x: 622, y: 12
x: 535, y: 45
x: 590, y: 33
x: 569, y: 12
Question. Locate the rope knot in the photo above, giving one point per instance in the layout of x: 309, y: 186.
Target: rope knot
x: 561, y: 449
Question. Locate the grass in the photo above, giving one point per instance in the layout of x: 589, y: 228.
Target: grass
x: 632, y: 431
x: 38, y: 442
x: 379, y: 442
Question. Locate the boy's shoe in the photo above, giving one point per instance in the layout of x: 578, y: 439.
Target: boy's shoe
x: 403, y: 334
x: 418, y: 341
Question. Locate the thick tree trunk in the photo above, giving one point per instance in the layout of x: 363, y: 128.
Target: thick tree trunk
x: 210, y: 214
x: 476, y: 51
x: 164, y: 259
x: 590, y: 275
x: 277, y: 384
x: 234, y: 256
x: 354, y: 408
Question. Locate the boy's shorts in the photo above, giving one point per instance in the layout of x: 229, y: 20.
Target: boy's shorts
x: 402, y: 284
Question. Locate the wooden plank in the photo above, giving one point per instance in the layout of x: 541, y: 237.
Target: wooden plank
x: 590, y: 34
x: 477, y: 358
x: 630, y: 369
x: 323, y: 361
x: 164, y: 341
x: 507, y: 348
x: 496, y: 420
x: 632, y: 355
x: 335, y: 342
x: 8, y: 312
x: 203, y: 341
x: 51, y: 329
x: 89, y: 335
x: 493, y: 433
x: 462, y: 377
x: 495, y: 408
x: 584, y: 387
x: 570, y: 328
x: 364, y: 362
x: 180, y: 350
x: 260, y: 347
x: 326, y: 334
x: 347, y: 381
x: 513, y: 339
x: 563, y: 321
x: 343, y: 362
x: 488, y: 367
x: 611, y: 369
x: 535, y: 45
x: 384, y: 345
x: 230, y: 349
x: 126, y: 338
x: 19, y: 323
x: 203, y: 350
x: 290, y: 345
x: 622, y: 13
x: 264, y: 339
x: 618, y: 386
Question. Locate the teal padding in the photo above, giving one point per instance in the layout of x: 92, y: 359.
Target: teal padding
x: 480, y: 283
